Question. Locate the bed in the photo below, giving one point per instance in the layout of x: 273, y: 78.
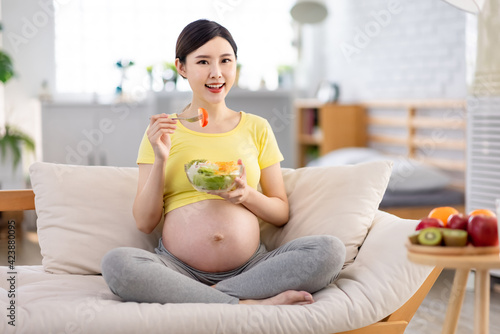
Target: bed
x: 426, y: 141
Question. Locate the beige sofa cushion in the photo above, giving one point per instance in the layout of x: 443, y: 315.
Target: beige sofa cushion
x: 338, y: 200
x: 83, y: 212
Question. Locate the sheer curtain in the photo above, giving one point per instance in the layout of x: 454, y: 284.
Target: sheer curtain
x: 92, y: 35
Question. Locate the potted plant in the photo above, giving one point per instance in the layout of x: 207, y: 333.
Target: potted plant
x: 11, y: 139
x: 169, y: 76
x: 6, y: 67
x: 285, y: 76
x: 123, y: 65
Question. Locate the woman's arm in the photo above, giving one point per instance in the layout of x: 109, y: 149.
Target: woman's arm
x: 148, y: 203
x: 272, y: 204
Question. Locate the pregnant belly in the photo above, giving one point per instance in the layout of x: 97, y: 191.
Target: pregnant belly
x: 212, y: 235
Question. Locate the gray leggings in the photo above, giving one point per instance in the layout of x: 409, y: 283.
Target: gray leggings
x: 308, y: 263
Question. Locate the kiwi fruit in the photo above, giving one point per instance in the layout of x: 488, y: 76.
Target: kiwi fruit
x: 454, y: 237
x: 414, y: 237
x: 430, y: 236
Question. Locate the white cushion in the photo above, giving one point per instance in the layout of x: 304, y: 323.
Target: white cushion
x: 83, y: 212
x: 339, y: 201
x: 408, y: 175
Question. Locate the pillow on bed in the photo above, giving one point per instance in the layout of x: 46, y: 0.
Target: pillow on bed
x: 339, y: 201
x: 83, y: 212
x: 408, y: 175
x: 346, y: 156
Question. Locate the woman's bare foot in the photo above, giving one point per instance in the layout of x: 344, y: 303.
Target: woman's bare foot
x: 290, y: 297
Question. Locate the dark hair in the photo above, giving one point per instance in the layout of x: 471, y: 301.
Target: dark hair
x: 196, y: 34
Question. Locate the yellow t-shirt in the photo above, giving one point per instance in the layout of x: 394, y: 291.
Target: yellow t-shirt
x: 252, y: 141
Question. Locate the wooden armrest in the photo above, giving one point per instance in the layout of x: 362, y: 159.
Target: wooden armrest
x: 17, y: 200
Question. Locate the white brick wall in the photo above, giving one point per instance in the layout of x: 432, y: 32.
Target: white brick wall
x: 391, y: 49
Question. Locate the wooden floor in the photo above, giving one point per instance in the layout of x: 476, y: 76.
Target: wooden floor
x: 430, y: 316
x: 428, y: 319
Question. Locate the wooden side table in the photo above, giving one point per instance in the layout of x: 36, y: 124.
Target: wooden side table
x: 463, y: 265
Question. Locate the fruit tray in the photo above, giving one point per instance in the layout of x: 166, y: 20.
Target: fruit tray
x: 443, y: 250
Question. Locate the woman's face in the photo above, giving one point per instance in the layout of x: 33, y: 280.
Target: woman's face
x: 210, y: 70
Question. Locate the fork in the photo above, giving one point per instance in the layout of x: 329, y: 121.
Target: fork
x: 189, y: 119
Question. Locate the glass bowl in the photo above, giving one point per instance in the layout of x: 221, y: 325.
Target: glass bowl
x: 207, y: 177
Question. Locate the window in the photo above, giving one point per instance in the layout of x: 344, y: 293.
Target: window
x: 92, y: 35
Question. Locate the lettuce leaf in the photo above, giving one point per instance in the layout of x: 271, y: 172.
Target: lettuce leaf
x: 213, y: 182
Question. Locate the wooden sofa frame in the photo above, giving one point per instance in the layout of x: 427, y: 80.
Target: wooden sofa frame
x: 395, y: 323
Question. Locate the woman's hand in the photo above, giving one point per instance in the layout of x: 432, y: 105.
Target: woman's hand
x: 240, y: 193
x: 270, y: 205
x: 161, y: 126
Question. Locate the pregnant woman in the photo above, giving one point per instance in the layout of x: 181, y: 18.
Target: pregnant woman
x: 210, y: 249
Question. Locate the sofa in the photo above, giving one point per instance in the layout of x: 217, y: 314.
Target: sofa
x: 84, y: 211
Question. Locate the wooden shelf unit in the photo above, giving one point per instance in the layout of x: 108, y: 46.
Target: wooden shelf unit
x: 412, y: 122
x: 322, y: 128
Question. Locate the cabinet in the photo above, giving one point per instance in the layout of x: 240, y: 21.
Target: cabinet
x: 87, y: 134
x: 322, y: 128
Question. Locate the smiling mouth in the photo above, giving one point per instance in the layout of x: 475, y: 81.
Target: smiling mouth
x: 216, y: 86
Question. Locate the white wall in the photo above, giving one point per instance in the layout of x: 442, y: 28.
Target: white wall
x: 416, y: 52
x: 2, y: 96
x: 392, y: 49
x: 28, y: 37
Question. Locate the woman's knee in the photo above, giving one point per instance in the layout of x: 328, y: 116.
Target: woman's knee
x: 116, y: 267
x: 334, y: 247
x: 330, y: 254
x: 112, y: 260
x: 324, y: 258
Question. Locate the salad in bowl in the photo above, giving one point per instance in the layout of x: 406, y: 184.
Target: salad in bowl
x: 208, y: 176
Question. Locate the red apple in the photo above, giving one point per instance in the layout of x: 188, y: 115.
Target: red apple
x: 458, y: 221
x: 429, y: 222
x: 483, y: 230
